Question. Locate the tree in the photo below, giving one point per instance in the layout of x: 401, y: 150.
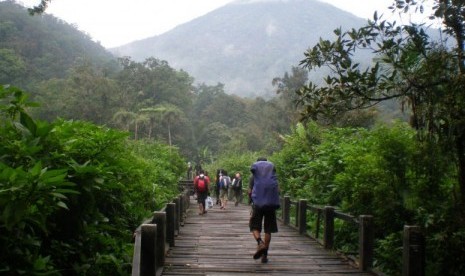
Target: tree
x: 140, y: 120
x: 124, y: 119
x: 39, y: 8
x: 285, y: 88
x: 152, y: 114
x: 424, y: 75
x: 169, y: 113
x: 86, y: 94
x: 11, y: 66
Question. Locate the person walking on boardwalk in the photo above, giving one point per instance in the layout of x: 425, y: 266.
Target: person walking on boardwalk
x: 265, y: 197
x: 219, y: 172
x: 237, y: 188
x: 225, y: 182
x: 201, y: 183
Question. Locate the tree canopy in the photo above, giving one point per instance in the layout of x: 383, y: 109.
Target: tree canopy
x: 424, y: 75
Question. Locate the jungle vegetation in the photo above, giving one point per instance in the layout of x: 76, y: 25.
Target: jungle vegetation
x: 89, y: 148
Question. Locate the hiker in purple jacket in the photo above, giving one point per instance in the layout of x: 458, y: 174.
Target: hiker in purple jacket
x: 265, y: 198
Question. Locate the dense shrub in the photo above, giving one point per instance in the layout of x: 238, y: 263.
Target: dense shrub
x: 385, y: 172
x: 71, y: 193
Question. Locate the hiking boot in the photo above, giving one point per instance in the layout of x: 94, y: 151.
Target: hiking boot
x: 264, y: 259
x: 261, y: 249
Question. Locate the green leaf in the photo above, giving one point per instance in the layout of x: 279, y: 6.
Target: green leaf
x: 36, y: 170
x: 67, y: 191
x: 28, y: 122
x: 62, y: 205
x: 58, y: 195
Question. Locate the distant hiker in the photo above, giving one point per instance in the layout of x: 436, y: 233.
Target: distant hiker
x: 237, y: 188
x: 217, y: 185
x: 225, y: 183
x: 198, y: 168
x: 230, y: 192
x: 201, y: 183
x: 265, y: 197
x: 189, y: 171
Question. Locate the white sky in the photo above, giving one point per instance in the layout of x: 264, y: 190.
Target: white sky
x: 117, y: 22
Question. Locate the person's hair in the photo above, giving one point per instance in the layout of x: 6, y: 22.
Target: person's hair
x: 262, y: 159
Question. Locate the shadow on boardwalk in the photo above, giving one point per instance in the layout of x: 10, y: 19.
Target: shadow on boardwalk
x: 219, y: 243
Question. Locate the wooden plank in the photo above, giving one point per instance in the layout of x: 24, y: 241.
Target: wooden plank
x: 220, y: 243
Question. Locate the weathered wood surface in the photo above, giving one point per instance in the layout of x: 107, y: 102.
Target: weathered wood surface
x: 219, y: 243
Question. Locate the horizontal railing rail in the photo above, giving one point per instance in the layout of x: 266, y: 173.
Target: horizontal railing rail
x: 413, y: 248
x: 156, y: 235
x: 186, y: 185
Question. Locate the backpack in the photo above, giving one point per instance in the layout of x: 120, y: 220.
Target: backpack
x: 236, y: 184
x: 201, y: 184
x: 265, y: 192
x: 225, y: 182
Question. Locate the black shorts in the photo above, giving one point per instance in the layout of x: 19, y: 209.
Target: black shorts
x: 266, y: 214
x: 201, y: 196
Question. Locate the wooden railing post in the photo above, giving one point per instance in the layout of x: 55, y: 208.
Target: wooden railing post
x: 317, y: 224
x: 178, y: 215
x: 286, y: 210
x: 413, y: 259
x: 170, y: 223
x: 181, y: 209
x: 302, y: 216
x: 366, y: 242
x: 328, y: 236
x: 296, y: 214
x: 136, y: 255
x: 186, y: 200
x: 148, y: 253
x: 159, y: 218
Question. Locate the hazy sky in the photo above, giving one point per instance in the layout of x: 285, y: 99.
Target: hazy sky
x: 117, y: 22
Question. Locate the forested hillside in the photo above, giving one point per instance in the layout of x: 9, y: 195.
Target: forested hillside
x: 37, y: 48
x: 74, y: 78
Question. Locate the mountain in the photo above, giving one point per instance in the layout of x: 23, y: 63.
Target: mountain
x: 41, y: 47
x: 246, y: 43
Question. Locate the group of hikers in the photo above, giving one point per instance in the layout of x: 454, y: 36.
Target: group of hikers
x: 263, y: 193
x: 225, y: 188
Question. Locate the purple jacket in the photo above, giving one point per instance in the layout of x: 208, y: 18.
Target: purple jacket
x: 265, y: 185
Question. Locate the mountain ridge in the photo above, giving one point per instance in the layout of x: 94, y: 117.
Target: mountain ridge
x: 244, y: 44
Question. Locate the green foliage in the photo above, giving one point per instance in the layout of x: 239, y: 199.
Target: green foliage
x: 71, y: 193
x: 11, y: 65
x: 401, y: 180
x: 423, y: 74
x: 379, y: 172
x: 38, y: 48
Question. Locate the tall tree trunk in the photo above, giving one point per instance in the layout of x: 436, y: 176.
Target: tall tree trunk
x: 460, y: 143
x: 169, y: 134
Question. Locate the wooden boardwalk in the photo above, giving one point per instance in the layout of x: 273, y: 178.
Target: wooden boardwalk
x: 219, y: 243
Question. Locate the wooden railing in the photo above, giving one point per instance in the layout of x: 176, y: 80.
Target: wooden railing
x: 186, y: 185
x: 156, y: 235
x: 413, y: 249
